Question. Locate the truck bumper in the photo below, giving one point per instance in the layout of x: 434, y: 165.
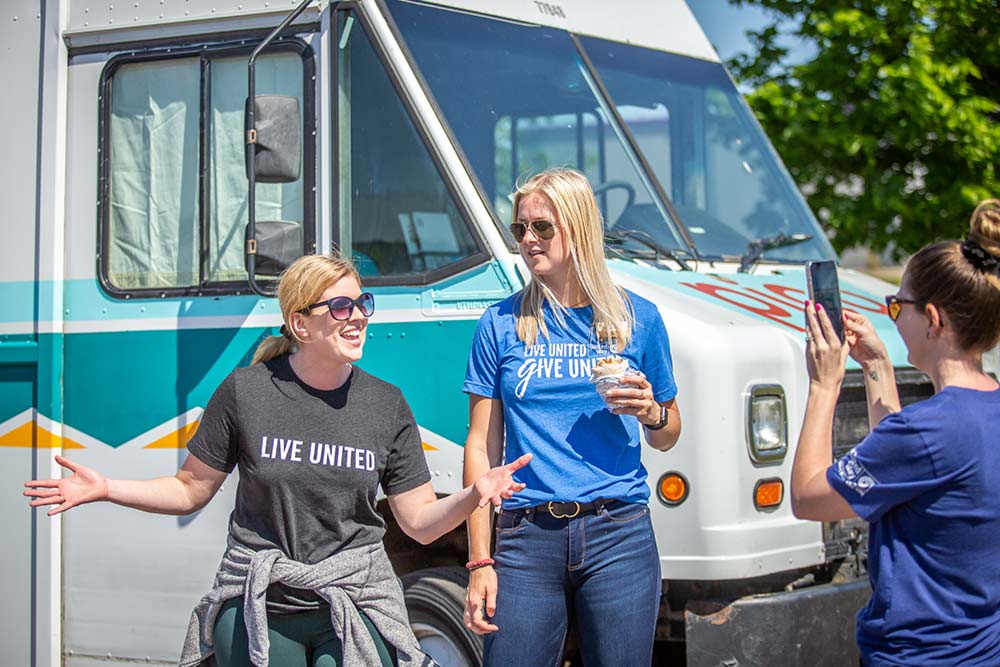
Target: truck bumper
x: 811, y: 626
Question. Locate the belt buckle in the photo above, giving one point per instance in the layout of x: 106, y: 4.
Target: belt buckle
x: 552, y: 510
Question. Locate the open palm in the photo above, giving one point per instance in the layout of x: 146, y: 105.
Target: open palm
x: 85, y: 485
x: 499, y: 482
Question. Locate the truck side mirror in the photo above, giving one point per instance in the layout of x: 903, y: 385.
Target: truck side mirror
x: 276, y: 244
x: 274, y: 139
x: 273, y: 153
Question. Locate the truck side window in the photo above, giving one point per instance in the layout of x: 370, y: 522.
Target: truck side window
x: 175, y: 195
x: 397, y: 214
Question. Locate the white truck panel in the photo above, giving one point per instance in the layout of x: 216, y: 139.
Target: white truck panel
x: 666, y: 25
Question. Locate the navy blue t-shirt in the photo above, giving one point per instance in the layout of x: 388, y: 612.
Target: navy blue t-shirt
x: 581, y: 451
x: 928, y: 480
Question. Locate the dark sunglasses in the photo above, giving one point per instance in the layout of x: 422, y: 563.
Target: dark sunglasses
x: 543, y: 229
x: 894, y: 305
x: 342, y: 307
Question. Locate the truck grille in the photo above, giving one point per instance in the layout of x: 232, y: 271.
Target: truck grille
x: 850, y: 426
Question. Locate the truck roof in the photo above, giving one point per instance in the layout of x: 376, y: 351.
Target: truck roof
x: 666, y: 25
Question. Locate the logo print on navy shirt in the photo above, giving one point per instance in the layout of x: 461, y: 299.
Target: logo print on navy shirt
x: 854, y: 474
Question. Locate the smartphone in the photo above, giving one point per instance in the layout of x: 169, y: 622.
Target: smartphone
x: 824, y: 289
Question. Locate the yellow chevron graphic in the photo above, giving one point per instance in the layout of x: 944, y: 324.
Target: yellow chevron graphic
x: 30, y: 429
x: 31, y: 434
x: 176, y: 440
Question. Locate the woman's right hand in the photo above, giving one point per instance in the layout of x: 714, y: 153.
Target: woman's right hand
x: 84, y: 486
x: 864, y: 345
x: 482, y: 589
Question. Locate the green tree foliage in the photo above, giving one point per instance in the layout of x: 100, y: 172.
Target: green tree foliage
x: 893, y: 127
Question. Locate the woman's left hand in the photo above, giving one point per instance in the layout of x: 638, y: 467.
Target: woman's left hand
x: 499, y: 482
x: 634, y: 397
x: 826, y: 355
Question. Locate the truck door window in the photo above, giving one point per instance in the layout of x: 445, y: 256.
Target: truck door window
x: 397, y: 214
x: 175, y: 187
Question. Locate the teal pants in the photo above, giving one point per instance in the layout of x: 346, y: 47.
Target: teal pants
x: 306, y: 639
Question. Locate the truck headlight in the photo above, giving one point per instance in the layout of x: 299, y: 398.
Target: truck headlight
x: 767, y: 423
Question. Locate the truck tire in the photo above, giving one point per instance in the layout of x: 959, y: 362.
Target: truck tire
x: 435, y: 601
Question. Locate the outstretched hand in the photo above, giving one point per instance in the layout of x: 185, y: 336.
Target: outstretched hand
x: 499, y: 482
x: 826, y: 355
x: 84, y: 486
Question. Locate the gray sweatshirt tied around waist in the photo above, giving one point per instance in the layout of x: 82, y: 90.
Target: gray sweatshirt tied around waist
x: 360, y: 578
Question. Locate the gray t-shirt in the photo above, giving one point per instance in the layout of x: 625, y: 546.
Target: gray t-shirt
x: 310, y: 462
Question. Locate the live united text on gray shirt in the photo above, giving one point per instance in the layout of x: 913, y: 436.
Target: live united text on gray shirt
x: 310, y: 463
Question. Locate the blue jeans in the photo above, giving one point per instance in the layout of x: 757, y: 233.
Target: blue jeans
x: 600, y: 571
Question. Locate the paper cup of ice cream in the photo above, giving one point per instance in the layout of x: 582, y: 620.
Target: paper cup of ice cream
x: 607, y: 374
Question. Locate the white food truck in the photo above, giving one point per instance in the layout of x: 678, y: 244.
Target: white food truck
x: 134, y: 279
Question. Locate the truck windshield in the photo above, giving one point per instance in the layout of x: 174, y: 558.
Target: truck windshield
x: 707, y: 151
x: 519, y: 98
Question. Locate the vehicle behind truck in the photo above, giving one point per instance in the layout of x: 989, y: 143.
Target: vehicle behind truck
x: 395, y: 131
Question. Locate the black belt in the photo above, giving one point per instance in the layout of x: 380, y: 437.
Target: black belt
x: 569, y: 510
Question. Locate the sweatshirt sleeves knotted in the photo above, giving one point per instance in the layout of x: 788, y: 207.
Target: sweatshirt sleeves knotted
x: 355, y: 579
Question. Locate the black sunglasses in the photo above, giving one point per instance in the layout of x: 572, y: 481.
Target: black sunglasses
x: 543, y: 229
x: 342, y: 307
x: 894, y: 305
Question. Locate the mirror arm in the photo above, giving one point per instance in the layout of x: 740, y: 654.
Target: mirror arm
x: 250, y: 251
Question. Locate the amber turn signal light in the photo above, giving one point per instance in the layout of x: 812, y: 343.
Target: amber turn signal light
x: 672, y: 488
x: 768, y: 493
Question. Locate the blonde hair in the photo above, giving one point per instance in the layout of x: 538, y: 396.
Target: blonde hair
x: 302, y: 284
x: 579, y: 219
x: 963, y: 279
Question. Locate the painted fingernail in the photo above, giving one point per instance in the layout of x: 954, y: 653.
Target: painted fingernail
x: 819, y: 307
x: 808, y: 303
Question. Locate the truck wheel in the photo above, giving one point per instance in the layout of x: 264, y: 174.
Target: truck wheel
x: 435, y: 600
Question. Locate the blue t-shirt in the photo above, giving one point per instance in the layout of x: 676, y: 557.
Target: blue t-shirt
x: 928, y: 481
x: 581, y: 451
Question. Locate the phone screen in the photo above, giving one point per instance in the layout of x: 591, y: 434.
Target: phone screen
x: 824, y: 289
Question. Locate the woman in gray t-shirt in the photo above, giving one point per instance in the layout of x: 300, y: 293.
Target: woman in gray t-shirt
x: 313, y: 437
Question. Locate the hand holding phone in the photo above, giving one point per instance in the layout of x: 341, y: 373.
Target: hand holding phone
x: 824, y: 289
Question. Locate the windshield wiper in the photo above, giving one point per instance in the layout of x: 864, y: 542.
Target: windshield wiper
x: 757, y: 247
x: 619, y: 237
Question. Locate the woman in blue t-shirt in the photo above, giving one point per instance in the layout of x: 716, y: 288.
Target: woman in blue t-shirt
x: 577, y: 541
x: 927, y: 477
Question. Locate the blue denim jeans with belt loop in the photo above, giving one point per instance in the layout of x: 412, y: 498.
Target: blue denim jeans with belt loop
x: 600, y: 571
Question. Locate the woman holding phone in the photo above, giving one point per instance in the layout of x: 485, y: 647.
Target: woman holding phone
x: 577, y: 543
x: 927, y: 477
x: 305, y: 580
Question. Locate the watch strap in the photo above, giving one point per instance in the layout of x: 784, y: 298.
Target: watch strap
x: 664, y: 416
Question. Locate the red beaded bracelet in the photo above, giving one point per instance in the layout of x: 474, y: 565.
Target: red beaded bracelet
x: 476, y: 564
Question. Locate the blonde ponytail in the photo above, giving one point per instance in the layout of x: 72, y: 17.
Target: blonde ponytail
x: 272, y: 347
